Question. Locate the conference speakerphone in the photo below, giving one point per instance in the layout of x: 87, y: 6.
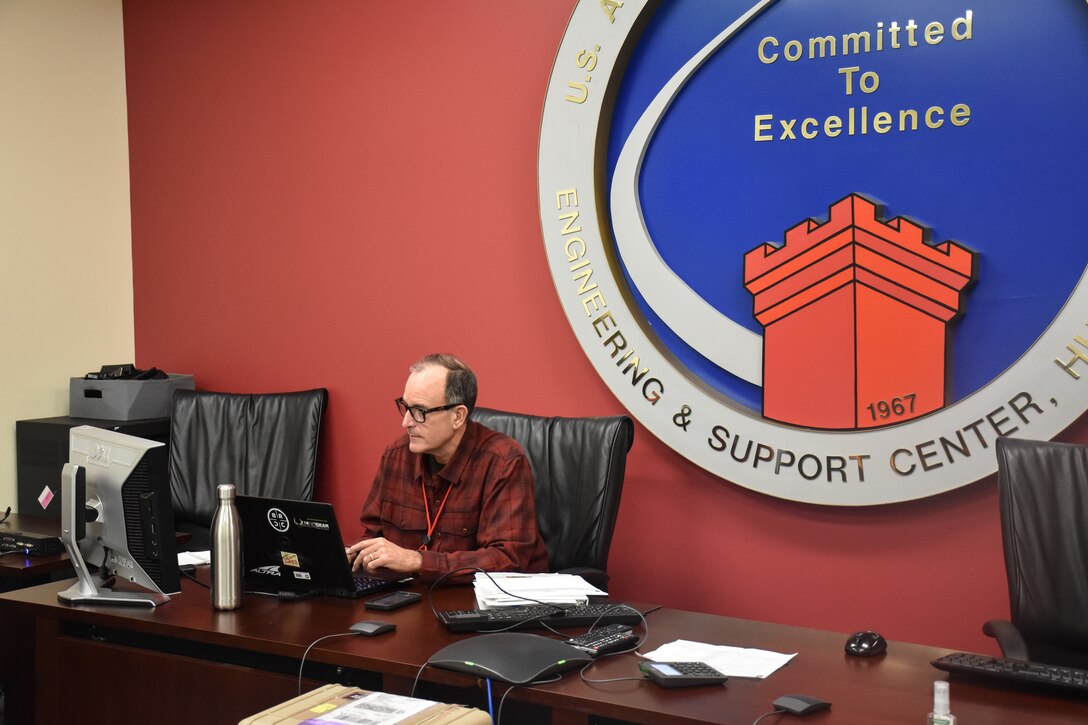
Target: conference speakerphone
x: 33, y: 545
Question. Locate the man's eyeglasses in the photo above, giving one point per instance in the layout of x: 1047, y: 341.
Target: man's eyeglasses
x: 419, y: 414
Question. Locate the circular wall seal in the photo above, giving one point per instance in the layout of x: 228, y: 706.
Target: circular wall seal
x: 822, y: 250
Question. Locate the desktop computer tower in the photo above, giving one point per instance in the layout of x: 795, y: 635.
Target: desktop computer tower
x: 41, y: 450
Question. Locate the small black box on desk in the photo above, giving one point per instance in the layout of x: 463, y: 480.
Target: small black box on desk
x: 41, y: 450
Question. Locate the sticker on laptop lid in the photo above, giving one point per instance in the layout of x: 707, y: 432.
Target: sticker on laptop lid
x: 312, y: 523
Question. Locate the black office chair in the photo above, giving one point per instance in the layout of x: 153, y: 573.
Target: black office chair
x: 578, y: 466
x: 265, y: 444
x: 1043, y: 488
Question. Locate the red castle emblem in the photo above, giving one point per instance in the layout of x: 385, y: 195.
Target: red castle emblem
x: 856, y: 314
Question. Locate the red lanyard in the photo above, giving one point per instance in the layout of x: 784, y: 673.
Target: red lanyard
x: 432, y: 525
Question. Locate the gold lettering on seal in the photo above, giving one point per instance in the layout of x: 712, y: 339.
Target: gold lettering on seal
x: 580, y: 266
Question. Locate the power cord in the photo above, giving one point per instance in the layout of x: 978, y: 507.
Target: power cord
x: 415, y: 682
x: 307, y: 652
x: 5, y: 516
x: 634, y: 648
x: 498, y: 714
x: 191, y: 576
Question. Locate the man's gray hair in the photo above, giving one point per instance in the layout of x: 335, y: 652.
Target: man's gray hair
x: 460, y: 380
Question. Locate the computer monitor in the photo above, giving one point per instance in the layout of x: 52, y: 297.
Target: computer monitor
x: 116, y: 514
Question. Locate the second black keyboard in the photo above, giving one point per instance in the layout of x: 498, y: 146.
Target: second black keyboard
x: 1013, y: 671
x: 585, y: 615
x: 605, y: 640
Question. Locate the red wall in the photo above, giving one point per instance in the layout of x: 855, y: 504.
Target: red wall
x: 324, y: 192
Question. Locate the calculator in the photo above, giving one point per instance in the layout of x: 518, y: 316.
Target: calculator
x: 682, y: 674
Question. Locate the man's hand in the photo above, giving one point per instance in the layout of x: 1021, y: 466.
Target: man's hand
x: 372, y: 555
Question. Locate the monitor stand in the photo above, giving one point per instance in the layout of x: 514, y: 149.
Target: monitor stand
x: 86, y: 590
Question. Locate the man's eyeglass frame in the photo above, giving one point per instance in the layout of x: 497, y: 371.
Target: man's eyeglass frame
x: 419, y: 414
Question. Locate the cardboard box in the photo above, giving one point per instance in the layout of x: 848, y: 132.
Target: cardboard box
x: 124, y: 399
x: 325, y: 701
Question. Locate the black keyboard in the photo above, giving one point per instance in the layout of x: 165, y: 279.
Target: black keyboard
x: 1013, y: 671
x: 604, y: 640
x: 585, y: 615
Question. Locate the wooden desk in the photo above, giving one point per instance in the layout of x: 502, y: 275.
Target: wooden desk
x: 184, y: 662
x: 22, y: 570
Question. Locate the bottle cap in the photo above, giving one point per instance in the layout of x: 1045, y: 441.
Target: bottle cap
x: 225, y: 491
x: 940, y: 698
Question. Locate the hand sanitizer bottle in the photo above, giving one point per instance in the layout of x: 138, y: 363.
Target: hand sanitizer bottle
x: 942, y: 713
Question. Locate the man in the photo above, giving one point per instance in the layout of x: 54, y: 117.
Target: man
x: 452, y: 493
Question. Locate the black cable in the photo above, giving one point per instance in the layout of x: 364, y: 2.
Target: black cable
x: 284, y: 596
x: 307, y: 652
x: 5, y: 516
x: 192, y: 577
x: 416, y: 680
x: 621, y: 605
x: 451, y: 572
x: 633, y: 648
x: 498, y: 712
x: 613, y: 679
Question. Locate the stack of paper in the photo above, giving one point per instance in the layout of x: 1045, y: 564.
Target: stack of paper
x: 730, y: 661
x: 194, y: 558
x: 518, y: 590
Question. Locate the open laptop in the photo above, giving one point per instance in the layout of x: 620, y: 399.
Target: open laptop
x: 294, y: 547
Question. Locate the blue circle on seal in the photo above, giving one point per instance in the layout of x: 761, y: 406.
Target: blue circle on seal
x: 1009, y: 184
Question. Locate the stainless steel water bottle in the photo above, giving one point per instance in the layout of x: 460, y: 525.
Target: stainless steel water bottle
x: 226, y: 535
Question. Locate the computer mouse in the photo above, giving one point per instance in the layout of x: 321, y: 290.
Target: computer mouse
x: 800, y: 704
x: 371, y: 627
x: 866, y: 644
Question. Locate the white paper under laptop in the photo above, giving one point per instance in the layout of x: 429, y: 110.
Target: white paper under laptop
x: 510, y: 589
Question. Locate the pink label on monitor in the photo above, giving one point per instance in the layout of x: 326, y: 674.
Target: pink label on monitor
x: 45, y: 497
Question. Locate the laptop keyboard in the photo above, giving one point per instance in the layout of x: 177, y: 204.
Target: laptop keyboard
x: 367, y: 584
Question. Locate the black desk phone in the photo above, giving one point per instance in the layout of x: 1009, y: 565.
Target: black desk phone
x: 682, y: 674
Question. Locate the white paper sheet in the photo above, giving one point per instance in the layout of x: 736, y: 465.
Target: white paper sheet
x: 527, y: 589
x: 194, y: 558
x: 730, y: 661
x: 375, y: 708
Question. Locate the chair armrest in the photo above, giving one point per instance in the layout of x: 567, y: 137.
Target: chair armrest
x: 1008, y: 638
x: 595, y: 577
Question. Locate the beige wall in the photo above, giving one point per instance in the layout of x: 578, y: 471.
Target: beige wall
x: 66, y: 274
